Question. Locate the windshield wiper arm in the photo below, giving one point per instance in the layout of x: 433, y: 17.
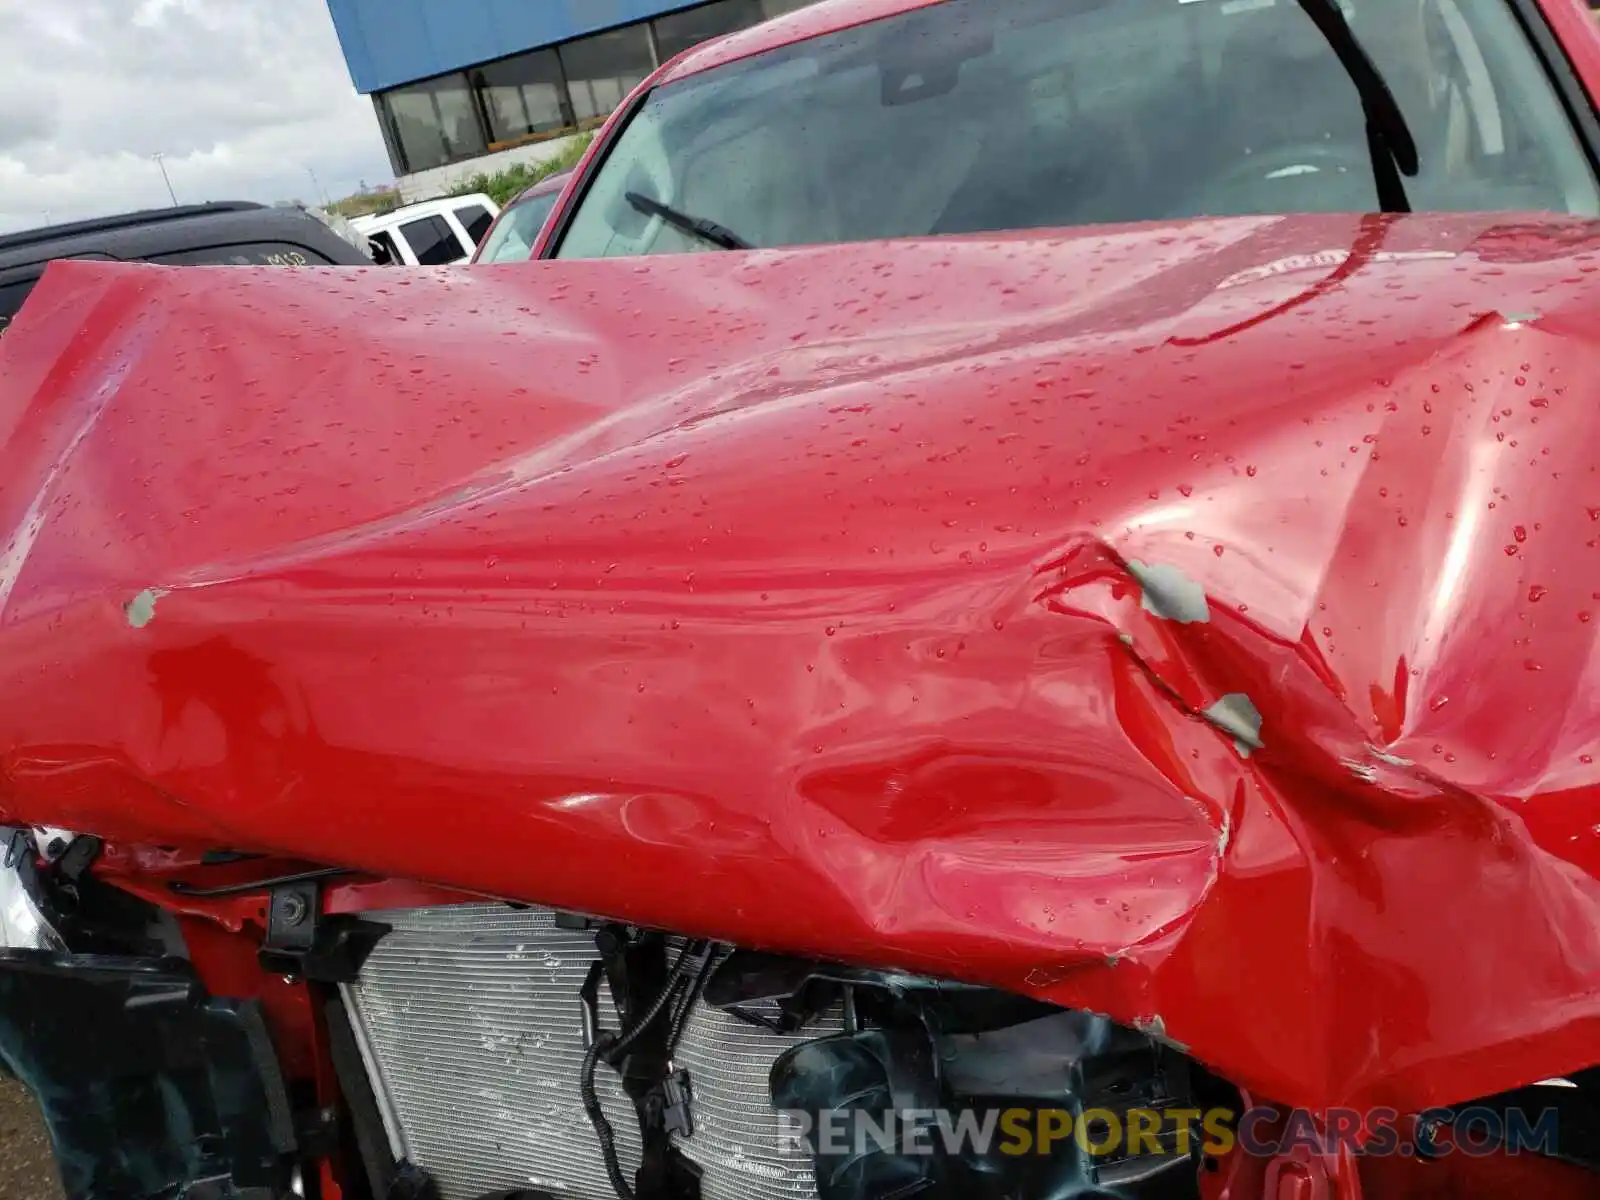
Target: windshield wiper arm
x: 700, y: 227
x: 1394, y: 150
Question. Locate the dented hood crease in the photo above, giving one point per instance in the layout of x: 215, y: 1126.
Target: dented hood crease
x: 1190, y: 623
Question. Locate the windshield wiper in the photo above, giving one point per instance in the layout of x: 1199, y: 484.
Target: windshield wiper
x: 1393, y: 149
x: 700, y: 227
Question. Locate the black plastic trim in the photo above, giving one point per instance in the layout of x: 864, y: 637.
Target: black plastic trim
x: 607, y: 137
x: 366, y: 1122
x: 151, y: 1088
x: 1575, y: 98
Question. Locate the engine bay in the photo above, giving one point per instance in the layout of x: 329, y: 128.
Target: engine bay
x: 497, y: 1042
x: 274, y: 1034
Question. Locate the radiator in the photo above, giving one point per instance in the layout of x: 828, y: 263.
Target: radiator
x: 469, y: 1022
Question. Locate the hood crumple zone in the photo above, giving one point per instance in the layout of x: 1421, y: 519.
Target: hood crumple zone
x: 1192, y: 624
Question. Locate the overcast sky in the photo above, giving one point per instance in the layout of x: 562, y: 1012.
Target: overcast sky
x: 241, y: 96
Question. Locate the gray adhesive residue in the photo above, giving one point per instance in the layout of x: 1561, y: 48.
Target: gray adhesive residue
x: 1170, y: 594
x: 141, y: 609
x: 1237, y: 715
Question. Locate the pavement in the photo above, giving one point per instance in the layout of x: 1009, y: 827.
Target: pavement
x: 27, y: 1164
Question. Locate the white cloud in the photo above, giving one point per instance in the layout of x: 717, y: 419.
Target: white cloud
x: 245, y: 99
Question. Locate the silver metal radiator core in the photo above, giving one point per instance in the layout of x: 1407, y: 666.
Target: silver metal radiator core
x: 469, y: 1020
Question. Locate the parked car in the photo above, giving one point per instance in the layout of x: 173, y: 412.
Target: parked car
x: 233, y: 232
x: 926, y: 120
x: 1058, y: 662
x: 433, y: 233
x: 516, y: 230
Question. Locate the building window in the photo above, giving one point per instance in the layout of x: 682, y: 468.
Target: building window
x: 601, y: 70
x: 678, y: 32
x: 434, y: 122
x: 458, y: 117
x: 444, y: 120
x: 523, y: 95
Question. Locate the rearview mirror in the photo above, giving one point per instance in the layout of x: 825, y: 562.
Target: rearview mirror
x: 922, y: 64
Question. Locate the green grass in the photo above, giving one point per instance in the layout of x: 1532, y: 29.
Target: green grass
x: 361, y: 206
x: 504, y: 186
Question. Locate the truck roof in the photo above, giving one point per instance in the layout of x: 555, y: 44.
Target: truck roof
x: 226, y: 232
x: 422, y: 208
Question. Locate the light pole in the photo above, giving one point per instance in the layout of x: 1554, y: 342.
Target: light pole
x: 317, y: 183
x: 170, y: 193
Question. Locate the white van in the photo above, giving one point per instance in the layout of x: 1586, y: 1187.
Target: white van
x: 434, y: 233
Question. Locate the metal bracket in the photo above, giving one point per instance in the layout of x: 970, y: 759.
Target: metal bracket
x: 292, y: 917
x: 17, y: 845
x: 302, y: 943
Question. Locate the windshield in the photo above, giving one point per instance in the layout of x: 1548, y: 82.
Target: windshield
x: 976, y: 115
x: 512, y: 239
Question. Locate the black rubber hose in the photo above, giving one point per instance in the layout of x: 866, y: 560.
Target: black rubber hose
x: 606, y: 1043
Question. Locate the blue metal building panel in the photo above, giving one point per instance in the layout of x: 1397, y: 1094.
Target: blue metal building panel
x: 390, y: 42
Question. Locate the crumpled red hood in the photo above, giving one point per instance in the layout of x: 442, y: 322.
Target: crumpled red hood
x: 1187, y: 623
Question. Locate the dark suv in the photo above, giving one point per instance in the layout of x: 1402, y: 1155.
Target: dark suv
x: 230, y: 232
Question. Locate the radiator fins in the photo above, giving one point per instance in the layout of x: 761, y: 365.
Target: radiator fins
x: 470, y: 1027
